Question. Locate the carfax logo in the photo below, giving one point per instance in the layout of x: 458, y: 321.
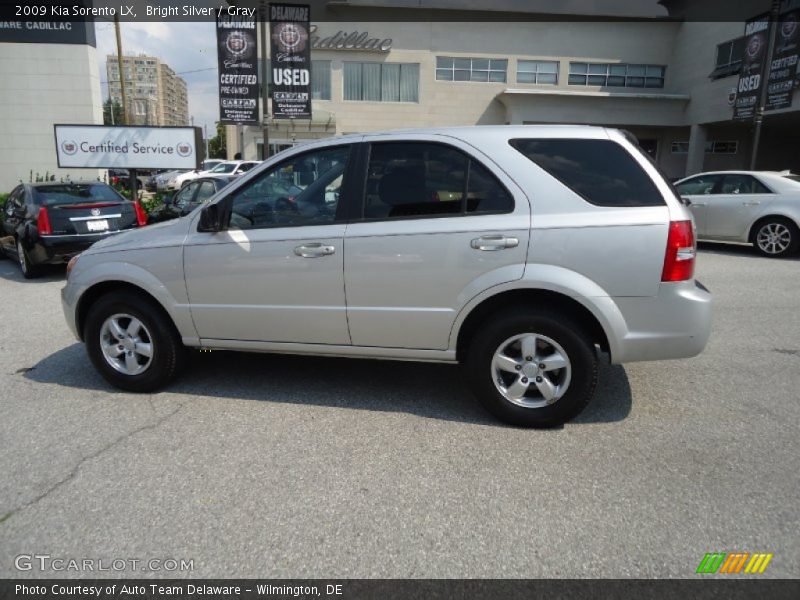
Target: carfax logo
x: 732, y: 563
x: 69, y: 147
x: 184, y: 149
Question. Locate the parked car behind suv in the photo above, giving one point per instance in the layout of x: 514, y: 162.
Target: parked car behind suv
x: 192, y: 195
x: 517, y: 251
x: 49, y: 223
x: 757, y: 207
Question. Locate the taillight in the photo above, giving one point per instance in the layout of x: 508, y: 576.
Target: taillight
x: 43, y: 222
x: 681, y: 250
x: 141, y: 216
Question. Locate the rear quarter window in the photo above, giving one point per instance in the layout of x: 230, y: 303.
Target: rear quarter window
x: 600, y: 171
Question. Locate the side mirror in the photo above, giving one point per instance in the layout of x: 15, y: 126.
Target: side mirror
x: 210, y: 219
x: 686, y: 201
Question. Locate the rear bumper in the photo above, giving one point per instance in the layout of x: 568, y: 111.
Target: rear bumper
x: 674, y: 324
x: 55, y: 249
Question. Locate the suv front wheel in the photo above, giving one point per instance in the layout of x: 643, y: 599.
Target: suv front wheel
x: 132, y: 343
x: 532, y: 369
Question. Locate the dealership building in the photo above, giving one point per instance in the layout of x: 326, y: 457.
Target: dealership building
x: 49, y: 75
x: 670, y: 81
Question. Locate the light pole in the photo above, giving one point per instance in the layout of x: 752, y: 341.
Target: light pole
x: 762, y: 98
x: 264, y: 79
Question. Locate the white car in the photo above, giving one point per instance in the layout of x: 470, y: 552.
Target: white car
x: 182, y: 180
x: 756, y: 207
x: 233, y: 167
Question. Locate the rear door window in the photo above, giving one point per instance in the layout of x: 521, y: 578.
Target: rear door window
x: 742, y: 184
x: 602, y: 172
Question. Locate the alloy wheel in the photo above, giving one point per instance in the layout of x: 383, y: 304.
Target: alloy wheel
x: 774, y: 238
x: 531, y: 370
x: 126, y: 344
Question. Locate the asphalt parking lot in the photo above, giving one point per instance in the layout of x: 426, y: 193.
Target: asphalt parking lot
x: 279, y: 466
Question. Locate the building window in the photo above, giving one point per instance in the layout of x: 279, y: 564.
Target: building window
x: 724, y: 147
x: 729, y: 58
x: 471, y: 69
x: 537, y: 71
x: 616, y: 75
x: 321, y: 79
x: 381, y: 82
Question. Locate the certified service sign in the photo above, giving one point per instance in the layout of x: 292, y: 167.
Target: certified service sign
x: 98, y: 146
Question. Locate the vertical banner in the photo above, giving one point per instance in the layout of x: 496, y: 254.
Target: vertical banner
x: 783, y: 69
x: 238, y: 69
x: 290, y: 52
x: 748, y: 91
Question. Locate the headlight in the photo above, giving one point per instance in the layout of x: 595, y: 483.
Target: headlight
x: 72, y: 262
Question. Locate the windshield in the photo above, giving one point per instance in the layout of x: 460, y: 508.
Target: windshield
x: 76, y: 194
x: 795, y: 178
x: 224, y: 168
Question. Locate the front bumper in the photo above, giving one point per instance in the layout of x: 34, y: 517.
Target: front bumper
x: 674, y: 324
x: 69, y: 304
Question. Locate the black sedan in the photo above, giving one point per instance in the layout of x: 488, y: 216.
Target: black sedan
x: 190, y: 196
x: 49, y: 223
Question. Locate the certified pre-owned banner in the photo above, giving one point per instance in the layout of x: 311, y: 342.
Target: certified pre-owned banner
x: 756, y: 33
x: 783, y: 68
x: 291, y: 61
x: 98, y: 146
x: 238, y: 69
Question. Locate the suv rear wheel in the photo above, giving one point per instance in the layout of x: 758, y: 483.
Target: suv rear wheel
x: 131, y: 343
x: 532, y: 369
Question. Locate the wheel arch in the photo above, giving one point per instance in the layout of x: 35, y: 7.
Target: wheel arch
x: 102, y: 288
x: 527, y: 298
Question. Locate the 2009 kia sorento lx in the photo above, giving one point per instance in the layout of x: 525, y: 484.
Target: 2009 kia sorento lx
x: 514, y: 250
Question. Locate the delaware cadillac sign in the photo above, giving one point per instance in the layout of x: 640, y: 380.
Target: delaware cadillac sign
x: 290, y: 61
x: 753, y: 66
x: 238, y: 69
x: 99, y: 146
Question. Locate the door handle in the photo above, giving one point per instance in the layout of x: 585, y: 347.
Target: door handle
x: 314, y: 250
x: 698, y: 203
x: 489, y: 243
x: 754, y: 203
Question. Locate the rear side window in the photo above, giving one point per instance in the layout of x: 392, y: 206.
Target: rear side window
x: 600, y: 171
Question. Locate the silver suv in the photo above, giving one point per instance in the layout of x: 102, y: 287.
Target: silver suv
x: 517, y: 251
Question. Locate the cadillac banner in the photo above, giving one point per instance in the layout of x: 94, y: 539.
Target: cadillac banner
x: 756, y: 33
x: 238, y: 69
x: 783, y: 69
x: 290, y: 50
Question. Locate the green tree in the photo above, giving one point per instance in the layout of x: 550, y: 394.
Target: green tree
x: 217, y: 144
x: 108, y: 117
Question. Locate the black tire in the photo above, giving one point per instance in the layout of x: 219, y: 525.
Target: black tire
x: 168, y: 353
x: 772, y: 222
x: 28, y: 269
x: 560, y: 329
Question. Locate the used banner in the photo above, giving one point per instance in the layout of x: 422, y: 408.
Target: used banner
x: 238, y: 69
x: 290, y: 52
x: 783, y: 68
x: 756, y: 33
